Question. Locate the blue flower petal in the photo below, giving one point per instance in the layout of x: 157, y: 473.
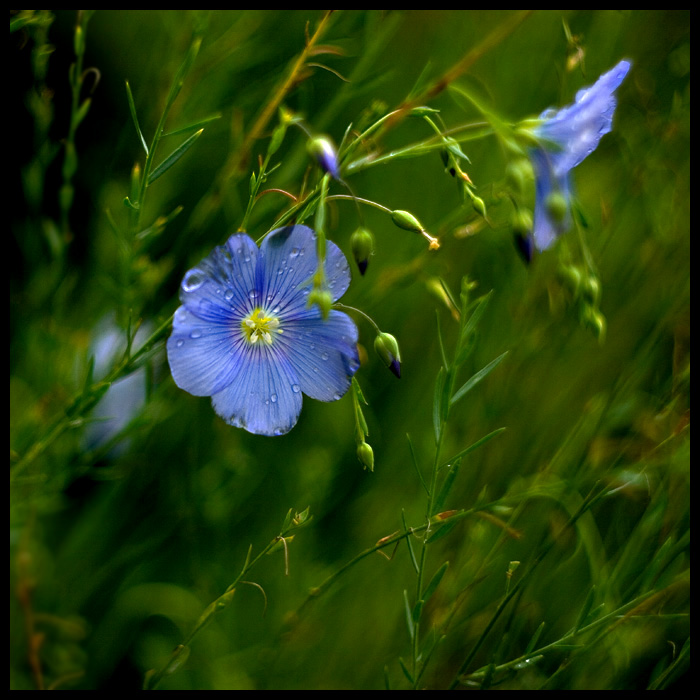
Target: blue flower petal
x: 245, y: 336
x: 288, y: 261
x: 264, y: 397
x: 568, y: 136
x: 204, y: 356
x: 221, y: 286
x: 323, y: 353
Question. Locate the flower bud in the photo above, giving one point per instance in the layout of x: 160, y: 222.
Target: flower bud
x: 522, y: 222
x: 362, y: 245
x: 571, y: 279
x: 524, y: 245
x: 366, y: 456
x: 591, y: 290
x: 479, y: 205
x: 388, y: 350
x: 323, y: 150
x: 519, y: 174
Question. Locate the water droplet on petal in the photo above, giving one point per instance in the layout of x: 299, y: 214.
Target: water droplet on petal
x: 324, y: 355
x: 180, y: 342
x: 273, y: 398
x: 295, y: 252
x: 194, y: 279
x: 196, y: 333
x: 228, y: 294
x: 253, y: 293
x: 296, y: 388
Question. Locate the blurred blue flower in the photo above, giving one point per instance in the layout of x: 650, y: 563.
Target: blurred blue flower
x: 567, y: 136
x: 245, y: 335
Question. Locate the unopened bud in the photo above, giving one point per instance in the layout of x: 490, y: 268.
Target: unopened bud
x: 479, y: 205
x: 323, y: 150
x: 362, y: 245
x: 591, y: 290
x: 519, y: 174
x: 524, y: 245
x: 366, y: 456
x: 388, y: 350
x: 522, y: 222
x: 571, y: 278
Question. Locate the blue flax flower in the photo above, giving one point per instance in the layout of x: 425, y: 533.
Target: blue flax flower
x: 245, y: 336
x: 567, y: 136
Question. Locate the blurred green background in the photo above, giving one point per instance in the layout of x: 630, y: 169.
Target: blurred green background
x: 118, y: 545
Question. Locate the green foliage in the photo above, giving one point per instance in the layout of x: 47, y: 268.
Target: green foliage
x: 533, y: 529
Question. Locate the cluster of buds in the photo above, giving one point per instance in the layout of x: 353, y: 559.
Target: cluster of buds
x: 583, y: 288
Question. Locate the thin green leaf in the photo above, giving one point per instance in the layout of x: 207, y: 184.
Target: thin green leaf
x: 446, y: 486
x: 174, y: 157
x: 474, y: 319
x: 441, y: 531
x: 405, y: 670
x: 475, y: 379
x: 443, y: 354
x: 437, y: 404
x: 475, y: 445
x: 408, y: 543
x: 535, y: 639
x: 415, y: 464
x: 409, y: 615
x: 132, y: 109
x: 435, y: 582
x: 190, y: 127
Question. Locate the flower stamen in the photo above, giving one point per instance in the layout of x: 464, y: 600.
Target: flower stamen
x: 260, y: 326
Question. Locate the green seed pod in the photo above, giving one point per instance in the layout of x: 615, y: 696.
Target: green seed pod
x: 406, y: 220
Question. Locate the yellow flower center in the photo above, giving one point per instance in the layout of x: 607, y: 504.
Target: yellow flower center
x: 258, y: 326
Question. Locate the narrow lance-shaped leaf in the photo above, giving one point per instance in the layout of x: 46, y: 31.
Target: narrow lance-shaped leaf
x: 132, y: 109
x: 174, y: 157
x: 475, y: 379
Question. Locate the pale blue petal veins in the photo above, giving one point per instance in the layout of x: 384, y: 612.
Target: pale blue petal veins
x: 221, y: 286
x: 288, y: 261
x: 263, y: 397
x: 203, y: 355
x: 323, y: 354
x: 245, y: 336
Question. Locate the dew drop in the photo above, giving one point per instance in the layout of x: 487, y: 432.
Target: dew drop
x: 194, y: 279
x: 228, y: 294
x: 253, y: 293
x: 273, y: 398
x: 295, y: 253
x: 324, y: 355
x: 196, y: 333
x: 336, y: 396
x: 180, y: 343
x: 296, y: 388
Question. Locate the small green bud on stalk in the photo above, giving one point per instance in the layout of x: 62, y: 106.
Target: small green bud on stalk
x: 388, y: 350
x: 362, y: 245
x: 323, y: 150
x: 366, y: 456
